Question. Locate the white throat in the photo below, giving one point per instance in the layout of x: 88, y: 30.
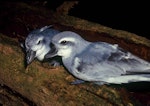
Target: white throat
x: 65, y: 53
x: 40, y: 53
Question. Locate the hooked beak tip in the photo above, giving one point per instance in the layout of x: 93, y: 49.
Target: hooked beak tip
x: 30, y: 57
x: 28, y: 62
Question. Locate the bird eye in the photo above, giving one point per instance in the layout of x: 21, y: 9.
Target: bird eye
x: 64, y: 42
x: 39, y: 42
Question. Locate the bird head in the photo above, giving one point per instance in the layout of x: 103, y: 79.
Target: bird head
x: 36, y: 47
x: 66, y: 44
x: 37, y: 43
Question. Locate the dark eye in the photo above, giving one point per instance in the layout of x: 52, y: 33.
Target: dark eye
x: 64, y: 42
x: 39, y: 42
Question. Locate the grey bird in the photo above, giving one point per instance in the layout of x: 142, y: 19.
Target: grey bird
x: 98, y: 62
x: 37, y: 43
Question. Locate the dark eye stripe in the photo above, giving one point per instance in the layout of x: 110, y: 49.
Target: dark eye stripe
x: 64, y: 42
x: 39, y: 42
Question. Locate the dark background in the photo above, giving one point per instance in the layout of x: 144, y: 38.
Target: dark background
x: 124, y: 15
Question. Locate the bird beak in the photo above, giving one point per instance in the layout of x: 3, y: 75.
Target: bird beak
x: 52, y: 52
x: 30, y: 56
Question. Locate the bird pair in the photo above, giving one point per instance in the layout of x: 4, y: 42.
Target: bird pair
x: 97, y: 62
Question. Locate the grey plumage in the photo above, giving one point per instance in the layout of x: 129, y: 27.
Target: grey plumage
x: 99, y: 62
x: 37, y: 43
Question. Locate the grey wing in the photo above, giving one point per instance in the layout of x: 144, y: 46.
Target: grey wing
x: 97, y: 52
x: 129, y: 62
x: 103, y: 59
x: 93, y: 62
